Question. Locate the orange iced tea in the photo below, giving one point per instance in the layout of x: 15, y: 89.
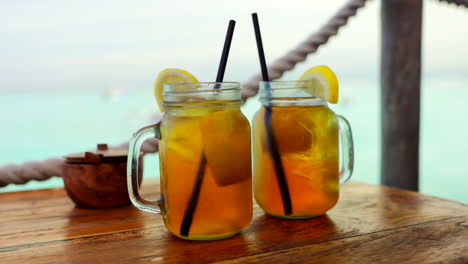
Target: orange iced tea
x: 307, y: 140
x: 222, y: 134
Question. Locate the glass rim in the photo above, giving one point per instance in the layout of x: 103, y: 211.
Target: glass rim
x: 200, y: 87
x: 276, y: 91
x: 203, y: 83
x: 284, y: 85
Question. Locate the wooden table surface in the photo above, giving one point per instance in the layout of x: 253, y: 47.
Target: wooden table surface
x: 370, y: 224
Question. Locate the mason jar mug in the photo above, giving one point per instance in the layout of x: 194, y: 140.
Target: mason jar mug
x: 299, y: 162
x: 205, y: 162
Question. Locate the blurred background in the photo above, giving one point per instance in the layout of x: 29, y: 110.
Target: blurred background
x: 73, y: 74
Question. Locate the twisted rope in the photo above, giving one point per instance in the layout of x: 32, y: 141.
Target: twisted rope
x: 305, y: 48
x: 457, y: 2
x: 44, y: 170
x: 34, y: 170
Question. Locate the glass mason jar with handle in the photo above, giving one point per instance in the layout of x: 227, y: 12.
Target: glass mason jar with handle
x: 298, y: 161
x: 205, y: 162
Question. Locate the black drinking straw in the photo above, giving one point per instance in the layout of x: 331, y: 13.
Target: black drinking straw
x: 193, y: 201
x: 225, y: 54
x: 281, y: 177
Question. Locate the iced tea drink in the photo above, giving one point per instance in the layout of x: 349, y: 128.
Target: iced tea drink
x: 205, y: 161
x: 306, y: 137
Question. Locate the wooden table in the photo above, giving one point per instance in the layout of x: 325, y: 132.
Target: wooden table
x: 370, y: 224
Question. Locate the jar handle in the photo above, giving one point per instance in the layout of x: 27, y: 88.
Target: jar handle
x: 133, y: 184
x: 347, y: 150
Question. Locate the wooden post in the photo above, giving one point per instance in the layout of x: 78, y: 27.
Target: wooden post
x: 400, y: 84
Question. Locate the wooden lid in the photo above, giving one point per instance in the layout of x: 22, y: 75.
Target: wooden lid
x: 102, y: 155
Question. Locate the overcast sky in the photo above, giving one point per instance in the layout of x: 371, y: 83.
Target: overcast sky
x: 99, y: 44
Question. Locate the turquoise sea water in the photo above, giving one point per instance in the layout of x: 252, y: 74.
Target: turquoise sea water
x: 43, y: 124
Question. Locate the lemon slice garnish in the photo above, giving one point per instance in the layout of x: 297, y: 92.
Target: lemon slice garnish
x: 324, y: 83
x: 170, y: 76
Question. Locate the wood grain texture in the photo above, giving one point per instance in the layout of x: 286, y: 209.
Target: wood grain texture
x: 427, y: 243
x: 370, y: 224
x: 400, y: 86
